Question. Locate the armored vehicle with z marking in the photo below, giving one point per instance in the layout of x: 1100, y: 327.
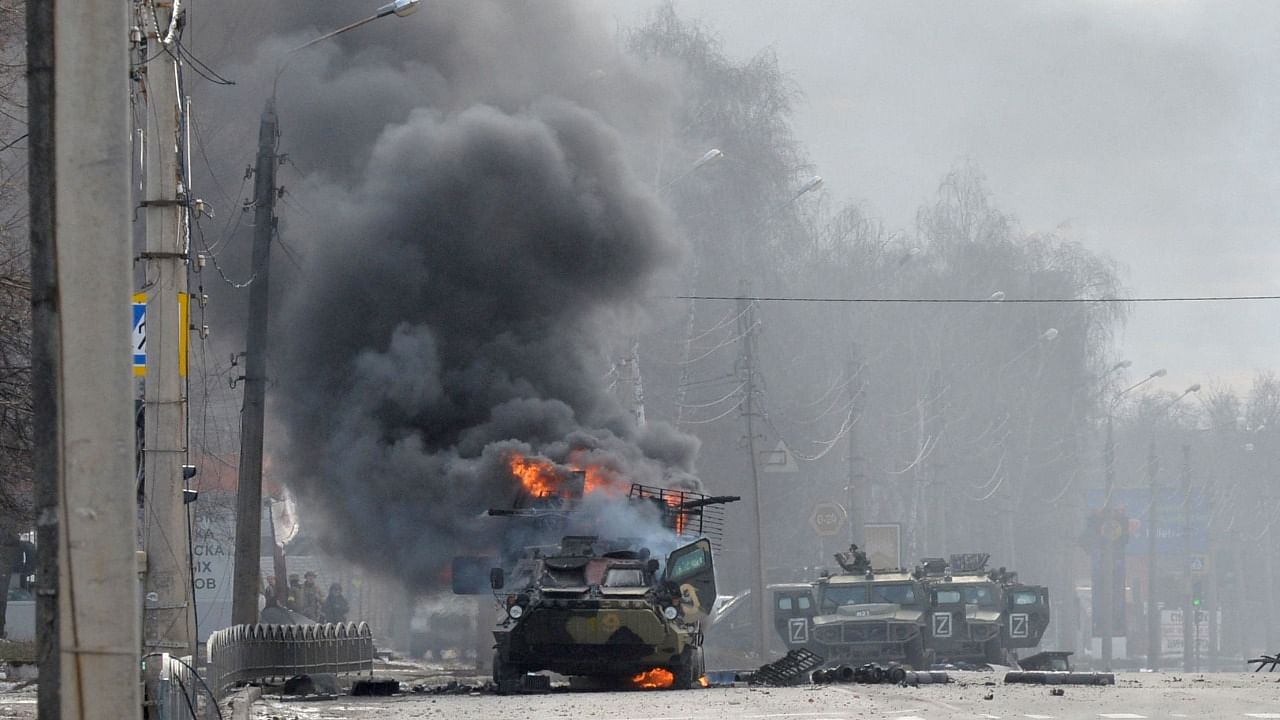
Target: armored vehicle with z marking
x: 858, y: 616
x: 979, y: 615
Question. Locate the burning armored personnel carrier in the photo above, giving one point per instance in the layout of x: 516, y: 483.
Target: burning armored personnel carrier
x: 624, y: 610
x: 606, y: 609
x: 858, y: 616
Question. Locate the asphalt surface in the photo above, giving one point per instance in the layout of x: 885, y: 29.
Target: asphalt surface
x: 1136, y: 696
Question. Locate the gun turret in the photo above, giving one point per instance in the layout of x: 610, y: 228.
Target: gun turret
x: 854, y: 560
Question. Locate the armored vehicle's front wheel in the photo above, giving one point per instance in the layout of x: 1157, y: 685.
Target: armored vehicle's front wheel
x: 690, y: 669
x: 509, y: 678
x: 994, y: 654
x: 916, y: 655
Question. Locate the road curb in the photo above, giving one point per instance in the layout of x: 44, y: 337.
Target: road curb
x: 239, y: 706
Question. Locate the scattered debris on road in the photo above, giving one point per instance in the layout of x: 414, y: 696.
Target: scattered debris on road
x: 1053, y: 677
x: 790, y: 669
x: 1266, y: 660
x: 874, y: 674
x: 379, y: 687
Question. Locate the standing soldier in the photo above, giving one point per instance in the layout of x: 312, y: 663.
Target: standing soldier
x: 293, y: 598
x: 310, y: 597
x: 335, y: 606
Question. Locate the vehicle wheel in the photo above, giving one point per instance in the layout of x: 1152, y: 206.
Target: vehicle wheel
x: 687, y: 671
x: 915, y: 654
x: 994, y: 654
x: 508, y: 678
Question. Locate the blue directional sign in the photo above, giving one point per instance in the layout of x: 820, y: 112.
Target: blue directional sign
x: 139, y: 341
x: 1136, y: 502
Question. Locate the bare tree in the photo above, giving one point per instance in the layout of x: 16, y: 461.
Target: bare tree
x: 15, y: 301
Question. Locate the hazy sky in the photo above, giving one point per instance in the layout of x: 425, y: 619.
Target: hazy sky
x: 1144, y: 130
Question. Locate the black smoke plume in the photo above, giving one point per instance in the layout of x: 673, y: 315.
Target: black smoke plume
x: 465, y: 269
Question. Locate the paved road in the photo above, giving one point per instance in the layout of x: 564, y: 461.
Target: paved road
x: 1136, y: 696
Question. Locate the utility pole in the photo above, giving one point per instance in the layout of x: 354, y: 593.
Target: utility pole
x: 1188, y: 606
x: 168, y: 615
x: 246, y: 573
x: 46, y: 360
x: 79, y: 191
x: 1107, y: 575
x: 1109, y: 537
x: 630, y: 382
x: 760, y: 588
x: 935, y: 427
x: 1239, y: 603
x: 244, y: 596
x: 1153, y: 609
x: 1268, y: 567
x: 859, y: 495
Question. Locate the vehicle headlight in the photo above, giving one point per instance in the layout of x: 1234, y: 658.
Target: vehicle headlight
x: 669, y: 612
x: 515, y: 611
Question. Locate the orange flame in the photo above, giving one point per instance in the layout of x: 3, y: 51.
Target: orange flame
x: 538, y: 476
x: 703, y: 681
x: 680, y: 516
x: 542, y: 478
x: 654, y: 679
x: 599, y: 477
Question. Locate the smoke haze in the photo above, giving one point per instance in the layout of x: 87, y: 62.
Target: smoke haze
x: 482, y: 201
x: 474, y: 240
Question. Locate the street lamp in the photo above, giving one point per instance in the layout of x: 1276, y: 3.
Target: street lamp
x: 1153, y: 609
x: 399, y: 8
x: 1108, y: 543
x: 707, y: 158
x: 760, y: 586
x: 1009, y: 497
x: 246, y: 573
x: 812, y: 183
x: 626, y: 371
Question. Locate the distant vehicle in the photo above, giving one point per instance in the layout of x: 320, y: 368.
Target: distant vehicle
x: 858, y: 616
x: 597, y: 608
x: 980, y: 615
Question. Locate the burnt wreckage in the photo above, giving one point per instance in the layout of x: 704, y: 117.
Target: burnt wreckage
x: 590, y: 605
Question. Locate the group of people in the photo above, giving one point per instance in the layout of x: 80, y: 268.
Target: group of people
x: 304, y: 597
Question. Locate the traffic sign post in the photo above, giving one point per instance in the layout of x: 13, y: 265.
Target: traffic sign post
x: 779, y: 460
x: 138, y: 340
x: 1199, y: 564
x: 828, y: 518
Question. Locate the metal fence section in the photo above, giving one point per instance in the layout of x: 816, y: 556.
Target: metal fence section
x: 254, y: 652
x: 178, y: 690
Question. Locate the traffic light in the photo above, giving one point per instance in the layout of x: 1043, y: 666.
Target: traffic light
x: 1197, y: 593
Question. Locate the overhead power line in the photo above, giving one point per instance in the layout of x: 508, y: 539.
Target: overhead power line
x: 971, y: 301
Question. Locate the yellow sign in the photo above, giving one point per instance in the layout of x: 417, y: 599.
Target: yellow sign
x: 139, y: 342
